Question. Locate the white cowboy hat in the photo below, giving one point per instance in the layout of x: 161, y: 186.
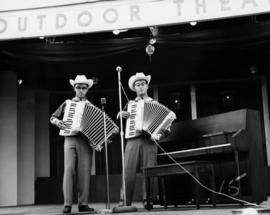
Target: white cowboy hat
x: 137, y: 77
x: 81, y: 79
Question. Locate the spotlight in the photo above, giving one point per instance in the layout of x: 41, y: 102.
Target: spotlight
x: 152, y: 41
x: 20, y: 81
x: 227, y: 99
x: 193, y: 23
x: 175, y: 99
x: 118, y: 31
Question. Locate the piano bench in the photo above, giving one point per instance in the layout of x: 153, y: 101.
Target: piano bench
x: 193, y: 167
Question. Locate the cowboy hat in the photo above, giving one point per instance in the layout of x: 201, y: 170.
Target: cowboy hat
x: 137, y: 77
x: 81, y: 79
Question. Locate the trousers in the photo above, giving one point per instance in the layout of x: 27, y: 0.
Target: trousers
x: 139, y: 152
x: 77, y: 158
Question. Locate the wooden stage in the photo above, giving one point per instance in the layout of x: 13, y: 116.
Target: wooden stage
x: 158, y: 210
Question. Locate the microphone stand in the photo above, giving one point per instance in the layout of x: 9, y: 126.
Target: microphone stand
x: 125, y: 208
x: 103, y: 101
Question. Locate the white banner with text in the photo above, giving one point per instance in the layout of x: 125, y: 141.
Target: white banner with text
x: 96, y: 16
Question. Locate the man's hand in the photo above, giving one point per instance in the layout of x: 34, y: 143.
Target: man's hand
x: 165, y: 132
x: 161, y: 134
x: 124, y: 114
x: 155, y: 137
x: 60, y: 124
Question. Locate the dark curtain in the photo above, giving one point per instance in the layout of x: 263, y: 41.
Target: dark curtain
x: 72, y: 51
x: 244, y: 37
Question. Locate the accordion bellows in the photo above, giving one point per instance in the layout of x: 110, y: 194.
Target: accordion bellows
x: 88, y: 120
x: 148, y: 116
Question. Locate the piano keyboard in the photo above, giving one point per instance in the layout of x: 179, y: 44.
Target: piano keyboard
x: 199, y: 151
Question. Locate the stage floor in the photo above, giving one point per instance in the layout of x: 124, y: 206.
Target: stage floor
x: 158, y: 210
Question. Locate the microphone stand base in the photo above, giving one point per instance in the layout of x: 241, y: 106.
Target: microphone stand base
x: 124, y: 209
x: 105, y: 211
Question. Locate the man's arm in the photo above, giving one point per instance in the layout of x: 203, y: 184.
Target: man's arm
x: 124, y: 113
x: 161, y: 134
x: 56, y: 115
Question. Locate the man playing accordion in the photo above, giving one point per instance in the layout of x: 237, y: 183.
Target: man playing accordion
x: 75, y: 148
x: 140, y: 151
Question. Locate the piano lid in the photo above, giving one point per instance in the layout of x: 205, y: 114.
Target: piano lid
x: 224, y: 122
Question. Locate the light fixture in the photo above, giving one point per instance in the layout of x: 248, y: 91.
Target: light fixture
x: 118, y: 31
x: 154, y: 30
x: 152, y: 41
x: 193, y: 23
x: 20, y: 81
x: 175, y: 100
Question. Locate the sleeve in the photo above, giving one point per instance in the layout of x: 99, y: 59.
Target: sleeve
x: 154, y: 101
x: 58, y: 113
x: 124, y: 109
x: 167, y: 132
x: 126, y: 106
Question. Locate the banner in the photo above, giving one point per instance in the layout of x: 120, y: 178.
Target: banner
x: 96, y: 16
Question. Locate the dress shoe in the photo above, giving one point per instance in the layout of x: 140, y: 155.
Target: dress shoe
x: 146, y: 206
x: 67, y: 209
x: 85, y: 208
x: 121, y: 204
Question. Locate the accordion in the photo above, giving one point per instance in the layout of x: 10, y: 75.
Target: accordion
x: 88, y: 120
x: 148, y: 116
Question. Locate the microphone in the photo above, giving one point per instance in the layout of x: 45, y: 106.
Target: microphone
x: 118, y: 68
x: 103, y: 102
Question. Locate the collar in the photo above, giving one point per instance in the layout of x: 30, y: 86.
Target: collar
x: 145, y: 99
x: 77, y: 99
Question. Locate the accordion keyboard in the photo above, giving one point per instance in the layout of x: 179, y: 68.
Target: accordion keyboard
x: 134, y: 121
x: 69, y: 119
x: 72, y: 118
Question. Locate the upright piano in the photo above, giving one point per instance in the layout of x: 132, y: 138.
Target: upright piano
x: 233, y: 141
